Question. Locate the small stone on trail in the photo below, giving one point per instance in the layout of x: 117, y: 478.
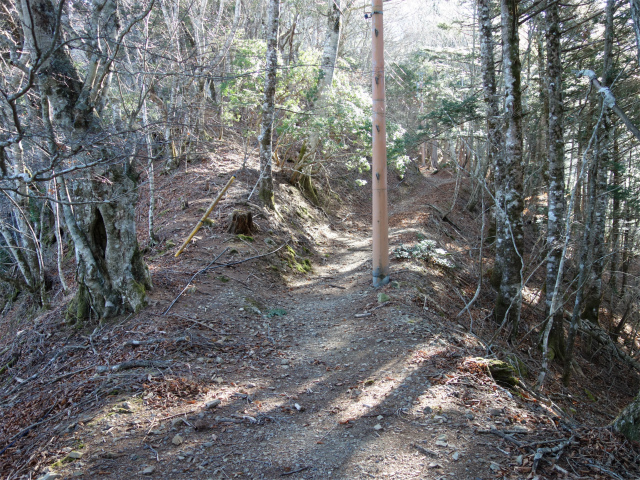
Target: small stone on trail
x: 377, y: 427
x: 494, y: 466
x: 212, y: 403
x: 148, y: 470
x: 383, y: 297
x: 177, y: 440
x: 50, y: 476
x: 75, y: 455
x: 455, y: 456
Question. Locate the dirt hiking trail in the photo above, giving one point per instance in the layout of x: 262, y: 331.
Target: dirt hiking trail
x: 261, y: 370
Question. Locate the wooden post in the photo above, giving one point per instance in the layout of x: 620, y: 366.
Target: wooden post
x: 379, y: 170
x: 206, y: 214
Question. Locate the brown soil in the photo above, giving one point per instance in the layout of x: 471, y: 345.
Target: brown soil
x: 314, y: 377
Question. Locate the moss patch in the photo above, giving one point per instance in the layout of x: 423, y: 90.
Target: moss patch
x: 79, y: 308
x: 296, y: 263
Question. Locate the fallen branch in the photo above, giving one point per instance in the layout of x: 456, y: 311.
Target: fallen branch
x: 191, y: 280
x: 65, y: 349
x: 134, y: 364
x: 296, y: 471
x: 610, y: 101
x: 443, y: 216
x: 602, y: 336
x: 151, y: 341
x: 425, y: 451
x: 209, y: 267
x: 542, y: 451
x: 495, y: 431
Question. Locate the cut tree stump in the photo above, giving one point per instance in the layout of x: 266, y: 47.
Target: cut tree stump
x: 241, y: 222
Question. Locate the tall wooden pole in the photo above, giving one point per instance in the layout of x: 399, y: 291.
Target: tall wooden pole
x: 379, y: 181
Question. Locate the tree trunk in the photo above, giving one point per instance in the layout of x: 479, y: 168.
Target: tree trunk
x: 628, y: 421
x: 268, y: 106
x: 494, y: 134
x: 593, y: 295
x: 510, y: 238
x: 635, y: 15
x: 111, y: 275
x: 556, y: 203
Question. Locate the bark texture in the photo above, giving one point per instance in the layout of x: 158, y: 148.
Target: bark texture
x: 510, y: 239
x: 268, y: 105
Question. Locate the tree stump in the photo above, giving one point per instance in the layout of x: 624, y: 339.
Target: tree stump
x: 241, y: 222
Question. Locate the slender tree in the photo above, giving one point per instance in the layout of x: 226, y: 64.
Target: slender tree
x: 268, y: 105
x: 510, y: 237
x: 555, y: 201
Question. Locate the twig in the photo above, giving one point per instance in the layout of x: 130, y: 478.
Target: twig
x: 209, y: 267
x: 426, y: 451
x: 541, y: 451
x: 295, y: 471
x: 136, y: 343
x: 68, y: 374
x: 154, y: 451
x: 134, y: 364
x: 598, y: 467
x: 191, y: 280
x: 381, y: 305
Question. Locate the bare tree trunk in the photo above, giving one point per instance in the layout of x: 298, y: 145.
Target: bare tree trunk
x: 510, y: 239
x: 58, y: 226
x: 635, y: 15
x: 554, y: 341
x: 268, y: 106
x: 494, y: 133
x: 593, y: 296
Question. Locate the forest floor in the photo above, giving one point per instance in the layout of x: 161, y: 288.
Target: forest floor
x: 261, y: 369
